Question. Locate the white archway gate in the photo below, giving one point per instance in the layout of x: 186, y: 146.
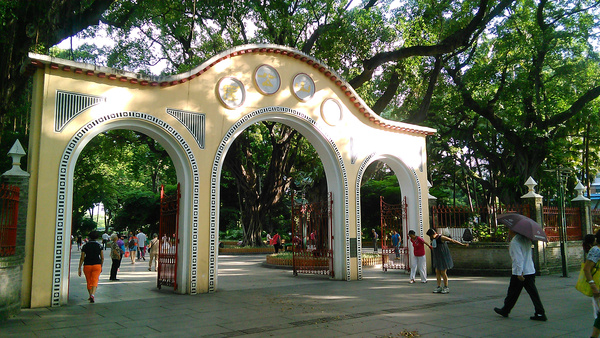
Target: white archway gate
x: 195, y: 116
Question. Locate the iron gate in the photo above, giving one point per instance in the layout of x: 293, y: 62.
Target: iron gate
x: 169, y: 239
x: 9, y: 212
x: 312, y: 237
x: 394, y: 218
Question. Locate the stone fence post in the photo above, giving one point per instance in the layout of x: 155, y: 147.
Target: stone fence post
x: 585, y: 209
x: 11, y: 267
x: 534, y: 200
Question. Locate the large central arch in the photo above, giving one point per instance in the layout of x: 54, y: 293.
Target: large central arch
x: 337, y: 180
x: 195, y: 116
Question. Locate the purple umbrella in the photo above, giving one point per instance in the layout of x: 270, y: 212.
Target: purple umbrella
x: 523, y: 225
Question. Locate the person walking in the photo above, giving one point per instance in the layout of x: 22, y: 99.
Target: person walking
x: 523, y: 276
x: 92, y: 259
x: 419, y: 252
x: 396, y: 243
x: 132, y: 244
x: 153, y: 249
x: 141, y: 239
x: 276, y: 241
x: 375, y: 238
x: 79, y: 241
x: 592, y: 259
x: 115, y: 256
x: 105, y: 239
x: 442, y: 260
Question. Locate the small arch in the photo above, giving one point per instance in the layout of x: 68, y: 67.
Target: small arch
x: 335, y: 172
x: 410, y: 186
x: 187, y: 171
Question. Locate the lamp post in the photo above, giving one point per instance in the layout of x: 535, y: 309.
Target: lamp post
x: 561, y: 175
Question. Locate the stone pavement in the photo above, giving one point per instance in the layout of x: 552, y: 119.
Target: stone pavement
x: 255, y: 301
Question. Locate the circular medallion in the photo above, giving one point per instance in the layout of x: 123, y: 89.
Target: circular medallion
x: 267, y: 79
x: 231, y: 92
x: 331, y: 112
x: 303, y: 87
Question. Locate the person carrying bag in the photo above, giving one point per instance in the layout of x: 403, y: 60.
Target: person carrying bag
x: 588, y: 282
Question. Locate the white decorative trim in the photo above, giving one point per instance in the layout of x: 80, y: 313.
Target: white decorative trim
x: 420, y: 200
x: 361, y: 171
x: 215, y: 174
x: 61, y: 238
x: 194, y: 122
x: 68, y: 105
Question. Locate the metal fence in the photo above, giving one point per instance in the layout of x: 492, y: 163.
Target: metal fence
x: 595, y: 220
x: 480, y: 221
x: 552, y: 223
x: 9, y: 210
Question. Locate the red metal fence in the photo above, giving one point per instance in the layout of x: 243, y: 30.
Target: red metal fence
x: 168, y: 234
x: 595, y: 220
x: 394, y: 218
x: 312, y: 250
x: 480, y: 220
x: 552, y: 223
x: 9, y: 210
x: 454, y: 220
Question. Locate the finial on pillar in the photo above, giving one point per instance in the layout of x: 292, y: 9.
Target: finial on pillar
x: 430, y: 196
x: 530, y: 184
x: 580, y: 189
x: 16, y: 152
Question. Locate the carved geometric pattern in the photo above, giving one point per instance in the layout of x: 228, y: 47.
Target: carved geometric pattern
x: 194, y: 122
x: 69, y: 105
x: 361, y: 171
x: 420, y: 200
x: 62, y: 239
x: 214, y: 178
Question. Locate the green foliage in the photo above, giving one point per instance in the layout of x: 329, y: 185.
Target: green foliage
x: 232, y: 234
x: 383, y: 183
x: 83, y: 226
x: 123, y: 170
x: 139, y: 208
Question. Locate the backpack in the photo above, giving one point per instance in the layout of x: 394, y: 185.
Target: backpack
x: 132, y: 244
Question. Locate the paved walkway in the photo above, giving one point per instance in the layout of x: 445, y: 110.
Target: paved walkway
x: 254, y: 301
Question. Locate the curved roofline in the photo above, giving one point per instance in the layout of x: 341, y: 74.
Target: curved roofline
x: 40, y: 61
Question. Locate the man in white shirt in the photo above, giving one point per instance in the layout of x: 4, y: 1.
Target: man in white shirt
x: 523, y: 276
x: 105, y: 238
x: 141, y: 245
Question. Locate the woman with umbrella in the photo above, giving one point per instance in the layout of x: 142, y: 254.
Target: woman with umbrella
x: 522, y: 230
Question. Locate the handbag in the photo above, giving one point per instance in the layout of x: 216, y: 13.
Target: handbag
x: 582, y: 284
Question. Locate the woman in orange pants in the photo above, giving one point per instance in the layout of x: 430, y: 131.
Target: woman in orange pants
x: 92, y: 258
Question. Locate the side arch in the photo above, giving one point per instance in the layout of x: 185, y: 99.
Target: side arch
x: 410, y: 186
x: 186, y: 167
x: 335, y: 172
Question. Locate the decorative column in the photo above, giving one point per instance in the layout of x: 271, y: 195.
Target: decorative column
x: 585, y: 209
x: 11, y: 267
x: 534, y: 201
